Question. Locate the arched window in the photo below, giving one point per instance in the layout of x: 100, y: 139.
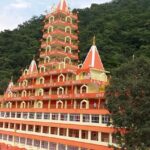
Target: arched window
x: 26, y: 71
x: 68, y: 49
x: 59, y: 104
x: 39, y: 104
x: 68, y: 19
x: 84, y: 89
x: 50, y: 29
x: 23, y: 105
x: 51, y: 19
x: 46, y: 59
x: 84, y: 104
x: 24, y: 93
x: 42, y: 69
x: 68, y: 29
x: 25, y: 83
x: 10, y: 94
x: 68, y: 39
x: 41, y: 80
x: 49, y: 39
x: 48, y: 49
x: 61, y: 78
x: 40, y: 92
x: 67, y: 60
x: 60, y: 90
x: 9, y: 105
x: 80, y: 65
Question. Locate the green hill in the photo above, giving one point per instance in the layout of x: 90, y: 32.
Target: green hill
x: 122, y: 28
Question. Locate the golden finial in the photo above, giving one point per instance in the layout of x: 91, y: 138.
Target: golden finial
x: 12, y: 78
x: 33, y: 57
x: 94, y: 40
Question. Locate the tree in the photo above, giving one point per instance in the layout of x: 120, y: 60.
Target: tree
x: 128, y: 100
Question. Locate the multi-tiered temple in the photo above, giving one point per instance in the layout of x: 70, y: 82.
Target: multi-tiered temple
x: 58, y: 104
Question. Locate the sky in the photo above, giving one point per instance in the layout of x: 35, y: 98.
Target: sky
x: 14, y: 12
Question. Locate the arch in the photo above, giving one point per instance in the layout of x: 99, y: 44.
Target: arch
x: 26, y: 71
x: 83, y: 89
x: 10, y: 94
x: 41, y: 80
x: 68, y: 29
x: 46, y: 59
x: 39, y: 104
x: 51, y: 19
x: 42, y: 69
x: 25, y: 83
x: 40, y: 92
x: 68, y: 49
x: 60, y: 90
x: 68, y: 39
x: 59, y: 104
x: 80, y: 65
x: 67, y: 60
x: 9, y: 105
x: 23, y: 105
x: 61, y: 65
x: 84, y: 104
x: 24, y: 93
x: 48, y: 48
x: 61, y: 78
x: 68, y: 19
x: 49, y: 39
x: 50, y: 29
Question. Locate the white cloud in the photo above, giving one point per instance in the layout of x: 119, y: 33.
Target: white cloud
x: 11, y: 14
x: 19, y: 4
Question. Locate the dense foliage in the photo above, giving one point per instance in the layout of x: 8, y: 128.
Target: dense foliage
x: 121, y: 28
x: 128, y: 99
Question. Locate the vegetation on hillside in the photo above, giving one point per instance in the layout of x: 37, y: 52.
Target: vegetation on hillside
x: 128, y: 100
x: 122, y: 28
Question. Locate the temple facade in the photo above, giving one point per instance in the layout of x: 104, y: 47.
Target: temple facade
x: 57, y: 103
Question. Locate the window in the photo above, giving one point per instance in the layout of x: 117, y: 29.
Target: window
x: 29, y: 142
x: 52, y: 146
x: 10, y: 138
x: 7, y: 114
x: 25, y: 115
x: 86, y: 118
x: 94, y: 136
x: 105, y: 137
x: 39, y: 116
x: 54, y: 116
x: 2, y: 114
x: 61, y: 147
x: 22, y: 140
x: 36, y: 143
x: 105, y: 119
x: 13, y: 115
x: 44, y: 144
x: 75, y: 117
x: 18, y: 115
x: 73, y: 133
x: 46, y: 116
x: 31, y: 115
x: 84, y: 134
x: 95, y: 118
x: 72, y: 148
x: 63, y: 117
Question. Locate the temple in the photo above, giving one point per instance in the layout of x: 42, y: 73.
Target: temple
x: 57, y: 103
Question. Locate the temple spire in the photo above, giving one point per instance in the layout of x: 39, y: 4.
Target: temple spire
x: 63, y: 6
x: 94, y: 40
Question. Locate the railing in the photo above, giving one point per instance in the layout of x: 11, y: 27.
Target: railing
x: 56, y: 97
x: 58, y: 52
x: 45, y: 35
x: 58, y: 84
x: 44, y: 44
